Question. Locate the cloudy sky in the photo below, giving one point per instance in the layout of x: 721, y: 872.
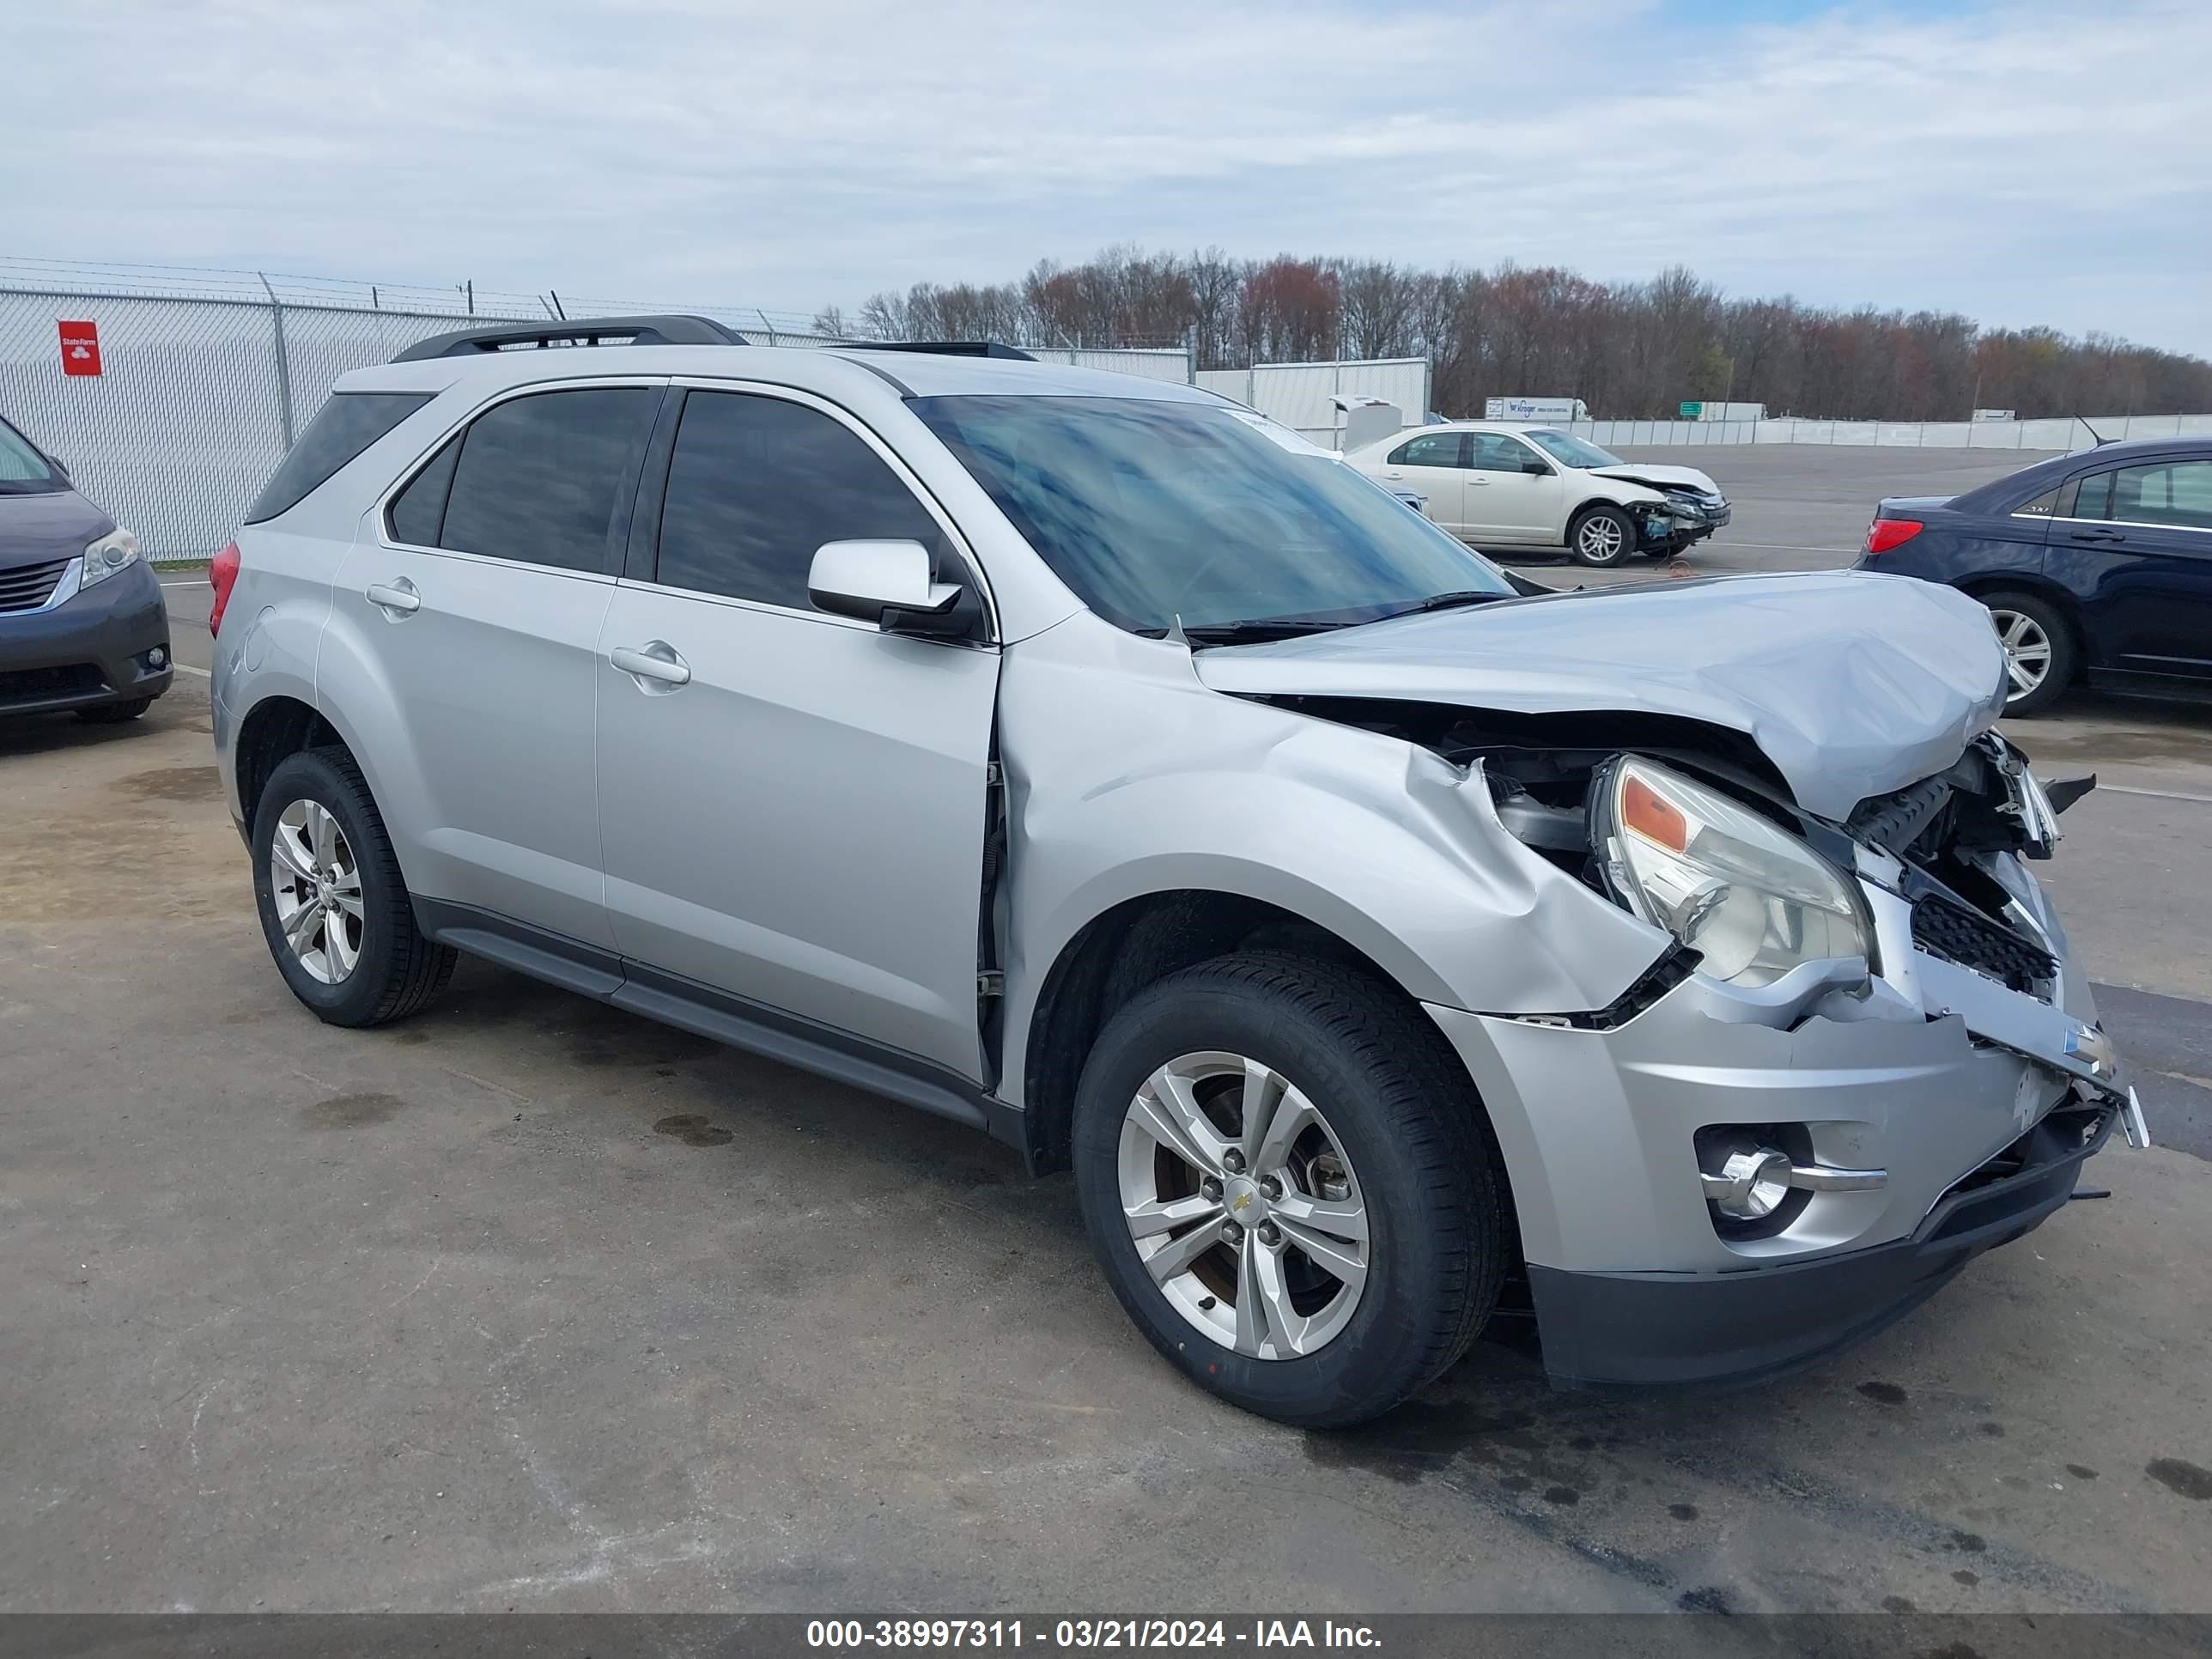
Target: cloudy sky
x: 2022, y: 160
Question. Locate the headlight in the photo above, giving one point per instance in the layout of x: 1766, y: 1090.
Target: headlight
x: 1754, y: 899
x: 107, y: 556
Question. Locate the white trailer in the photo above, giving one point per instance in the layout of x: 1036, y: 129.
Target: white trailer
x: 1534, y: 408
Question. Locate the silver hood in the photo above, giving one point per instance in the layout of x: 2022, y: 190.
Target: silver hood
x: 1658, y: 477
x: 1851, y: 683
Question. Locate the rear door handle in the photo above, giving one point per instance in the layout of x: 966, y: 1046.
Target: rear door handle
x: 655, y: 665
x: 397, y: 598
x: 2096, y: 535
x: 1477, y: 479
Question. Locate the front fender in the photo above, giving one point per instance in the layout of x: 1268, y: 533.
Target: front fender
x: 1127, y: 777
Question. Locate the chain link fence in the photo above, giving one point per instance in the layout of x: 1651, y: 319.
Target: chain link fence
x: 206, y: 377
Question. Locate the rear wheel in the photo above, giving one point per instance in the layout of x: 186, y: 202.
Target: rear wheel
x: 333, y: 908
x: 2040, y: 657
x: 1285, y: 1177
x: 1601, y: 536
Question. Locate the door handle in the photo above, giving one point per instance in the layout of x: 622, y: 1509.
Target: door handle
x: 397, y: 598
x: 2095, y: 536
x: 1479, y: 479
x: 654, y: 665
x: 1393, y: 474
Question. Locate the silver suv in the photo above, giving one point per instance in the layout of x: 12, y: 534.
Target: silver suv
x: 1384, y: 943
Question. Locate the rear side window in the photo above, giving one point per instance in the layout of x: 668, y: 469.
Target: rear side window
x: 2178, y: 494
x: 1436, y: 449
x: 2093, y: 499
x: 756, y: 484
x: 418, y: 513
x: 347, y: 424
x: 539, y: 479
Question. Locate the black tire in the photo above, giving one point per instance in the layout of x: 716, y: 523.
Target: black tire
x: 1408, y: 1122
x: 399, y: 969
x: 2044, y: 618
x: 114, y: 713
x: 1601, y: 558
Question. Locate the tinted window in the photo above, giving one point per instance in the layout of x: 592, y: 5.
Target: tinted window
x: 418, y: 512
x: 539, y: 477
x: 2095, y: 496
x: 1436, y: 449
x: 2178, y: 493
x: 1495, y: 453
x: 2041, y: 508
x: 1151, y: 511
x: 756, y: 484
x: 345, y: 425
x: 23, y: 471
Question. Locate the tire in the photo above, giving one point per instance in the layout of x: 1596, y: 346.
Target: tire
x: 1414, y: 1158
x: 1600, y: 536
x: 2033, y: 630
x: 114, y: 713
x: 373, y: 965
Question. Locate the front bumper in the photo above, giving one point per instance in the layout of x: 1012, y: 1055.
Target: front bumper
x: 1928, y: 1075
x: 87, y: 648
x: 1657, y: 1330
x: 1677, y: 524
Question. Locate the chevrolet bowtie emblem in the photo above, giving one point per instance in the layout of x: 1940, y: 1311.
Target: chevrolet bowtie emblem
x: 2086, y: 1042
x: 1243, y: 1202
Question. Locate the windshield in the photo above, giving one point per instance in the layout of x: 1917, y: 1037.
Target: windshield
x: 23, y: 471
x: 1154, y: 512
x: 1570, y: 452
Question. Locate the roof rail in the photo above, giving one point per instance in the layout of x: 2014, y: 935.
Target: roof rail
x: 944, y: 348
x: 586, y: 330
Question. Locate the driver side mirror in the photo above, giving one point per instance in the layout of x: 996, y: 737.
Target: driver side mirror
x: 885, y: 582
x: 1536, y: 467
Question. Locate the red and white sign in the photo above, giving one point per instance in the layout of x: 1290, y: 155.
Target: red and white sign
x: 80, y: 347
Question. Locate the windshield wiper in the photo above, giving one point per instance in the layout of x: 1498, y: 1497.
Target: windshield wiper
x: 1255, y: 631
x: 1451, y: 601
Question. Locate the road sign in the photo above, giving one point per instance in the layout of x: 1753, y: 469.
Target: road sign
x: 1691, y: 411
x: 80, y: 347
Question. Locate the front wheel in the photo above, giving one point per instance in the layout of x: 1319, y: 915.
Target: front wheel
x: 1288, y: 1183
x: 1600, y: 536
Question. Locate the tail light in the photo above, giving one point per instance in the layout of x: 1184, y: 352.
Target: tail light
x: 1886, y: 534
x: 222, y: 575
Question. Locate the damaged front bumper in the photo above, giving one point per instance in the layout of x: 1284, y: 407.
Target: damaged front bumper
x: 1975, y: 1102
x: 1680, y: 520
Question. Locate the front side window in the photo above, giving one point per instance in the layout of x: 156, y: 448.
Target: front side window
x: 2176, y: 494
x: 346, y: 424
x: 538, y: 478
x: 1154, y: 511
x: 1432, y: 449
x: 1570, y: 451
x: 756, y: 484
x: 23, y: 471
x: 1495, y: 453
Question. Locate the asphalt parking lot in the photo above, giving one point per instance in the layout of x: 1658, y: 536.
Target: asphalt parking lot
x: 529, y: 1303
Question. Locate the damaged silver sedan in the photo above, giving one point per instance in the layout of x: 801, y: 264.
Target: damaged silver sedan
x: 1382, y: 941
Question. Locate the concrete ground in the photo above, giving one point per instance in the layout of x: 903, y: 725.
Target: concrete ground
x: 528, y: 1304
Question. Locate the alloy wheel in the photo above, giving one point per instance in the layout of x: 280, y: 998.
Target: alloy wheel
x: 1600, y: 539
x: 1244, y: 1205
x: 2026, y: 651
x: 316, y: 883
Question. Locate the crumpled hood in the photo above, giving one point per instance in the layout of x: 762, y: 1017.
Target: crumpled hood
x: 1658, y: 477
x: 1853, y: 683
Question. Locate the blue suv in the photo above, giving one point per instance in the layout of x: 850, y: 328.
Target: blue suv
x: 2096, y: 566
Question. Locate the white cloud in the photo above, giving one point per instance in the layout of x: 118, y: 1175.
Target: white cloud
x: 2028, y: 162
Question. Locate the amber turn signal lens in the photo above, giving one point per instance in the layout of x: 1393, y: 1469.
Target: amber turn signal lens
x: 1652, y: 816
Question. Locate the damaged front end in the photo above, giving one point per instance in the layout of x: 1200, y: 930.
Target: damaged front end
x: 1866, y: 1058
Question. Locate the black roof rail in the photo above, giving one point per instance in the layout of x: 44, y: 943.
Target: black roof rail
x: 943, y: 348
x: 582, y: 330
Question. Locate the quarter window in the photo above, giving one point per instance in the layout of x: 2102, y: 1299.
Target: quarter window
x: 539, y: 479
x: 2041, y: 508
x: 346, y: 424
x: 1433, y: 449
x: 756, y: 484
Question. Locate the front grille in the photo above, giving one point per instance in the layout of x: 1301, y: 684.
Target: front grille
x: 28, y: 586
x: 1960, y: 934
x: 29, y: 685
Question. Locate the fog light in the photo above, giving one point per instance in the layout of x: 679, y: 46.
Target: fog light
x: 1751, y: 1185
x: 157, y: 659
